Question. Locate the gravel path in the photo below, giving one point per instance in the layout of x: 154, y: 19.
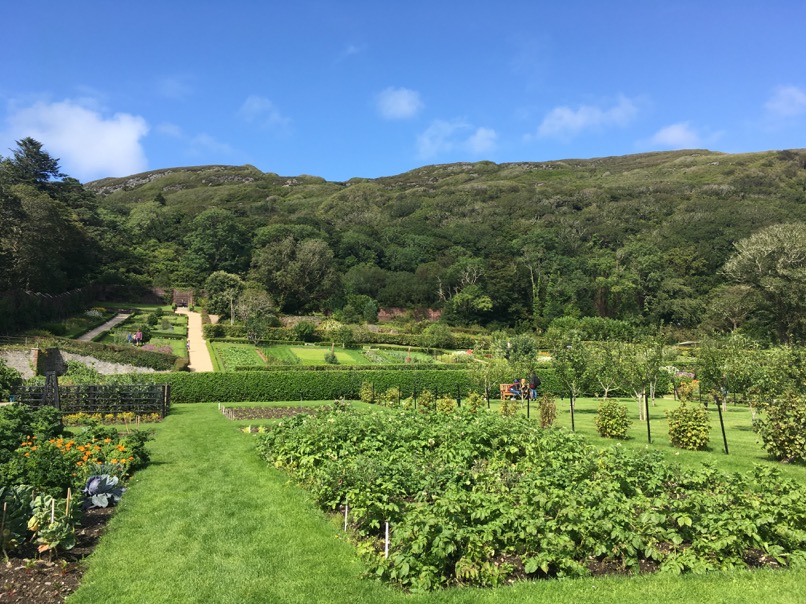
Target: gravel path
x: 87, y: 337
x: 198, y: 354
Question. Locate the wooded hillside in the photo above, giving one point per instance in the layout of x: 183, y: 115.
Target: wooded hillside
x: 643, y: 238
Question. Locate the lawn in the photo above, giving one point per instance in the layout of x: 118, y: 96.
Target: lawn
x: 744, y: 446
x: 312, y: 355
x: 315, y: 355
x: 207, y: 521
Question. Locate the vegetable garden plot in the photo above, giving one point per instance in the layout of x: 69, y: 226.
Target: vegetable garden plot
x: 483, y: 500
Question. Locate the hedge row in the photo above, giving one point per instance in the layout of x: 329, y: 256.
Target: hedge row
x: 290, y: 385
x: 389, y: 367
x: 360, y: 336
x: 128, y: 355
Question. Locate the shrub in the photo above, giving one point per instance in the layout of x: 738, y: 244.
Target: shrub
x: 509, y: 407
x: 782, y: 427
x: 390, y: 398
x: 548, y: 410
x: 446, y: 405
x: 330, y: 358
x: 611, y: 419
x: 475, y: 402
x: 689, y: 427
x: 367, y: 393
x: 426, y: 402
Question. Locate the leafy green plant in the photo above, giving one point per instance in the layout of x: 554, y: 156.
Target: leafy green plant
x: 782, y: 427
x: 612, y: 420
x: 330, y: 358
x: 689, y: 427
x: 15, y: 510
x: 53, y: 522
x: 101, y: 491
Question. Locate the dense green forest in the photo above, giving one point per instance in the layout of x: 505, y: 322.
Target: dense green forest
x: 687, y: 239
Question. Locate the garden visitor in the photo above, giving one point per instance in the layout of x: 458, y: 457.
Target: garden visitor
x: 138, y: 338
x: 534, y: 384
x: 515, y: 387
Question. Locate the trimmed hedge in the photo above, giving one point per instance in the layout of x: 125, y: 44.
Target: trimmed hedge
x: 281, y: 334
x: 294, y: 384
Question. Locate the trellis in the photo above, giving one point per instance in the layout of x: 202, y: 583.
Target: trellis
x: 105, y: 398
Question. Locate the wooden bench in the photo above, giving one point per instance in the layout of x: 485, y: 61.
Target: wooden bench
x: 505, y: 393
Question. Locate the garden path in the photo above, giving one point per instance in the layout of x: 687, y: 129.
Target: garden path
x: 198, y: 355
x: 116, y: 320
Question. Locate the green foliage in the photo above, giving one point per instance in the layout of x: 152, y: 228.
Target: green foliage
x: 53, y: 522
x: 446, y: 404
x: 475, y: 499
x: 689, y: 426
x: 612, y: 420
x: 366, y: 393
x: 474, y: 402
x: 19, y: 421
x: 782, y: 427
x: 9, y: 379
x: 330, y: 358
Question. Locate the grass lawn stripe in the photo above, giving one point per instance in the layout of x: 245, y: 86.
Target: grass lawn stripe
x: 207, y: 521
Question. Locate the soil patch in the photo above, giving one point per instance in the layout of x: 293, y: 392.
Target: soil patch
x: 266, y: 412
x: 26, y: 579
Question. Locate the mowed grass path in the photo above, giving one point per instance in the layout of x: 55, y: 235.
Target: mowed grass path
x: 208, y: 521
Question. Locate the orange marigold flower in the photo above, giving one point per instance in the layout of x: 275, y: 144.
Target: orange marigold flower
x: 121, y: 448
x: 80, y: 447
x: 131, y: 457
x: 114, y: 461
x: 107, y: 440
x: 79, y: 463
x: 34, y: 448
x: 27, y: 455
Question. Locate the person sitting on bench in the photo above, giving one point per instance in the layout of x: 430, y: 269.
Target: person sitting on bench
x: 515, y: 388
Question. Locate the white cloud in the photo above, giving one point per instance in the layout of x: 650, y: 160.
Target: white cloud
x: 676, y: 136
x: 565, y: 122
x: 88, y: 144
x: 398, y: 103
x: 482, y: 141
x: 204, y: 144
x: 264, y: 113
x: 787, y: 101
x: 450, y: 136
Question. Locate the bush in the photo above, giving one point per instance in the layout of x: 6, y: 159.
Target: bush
x: 390, y: 398
x: 475, y: 402
x: 689, y: 427
x: 366, y: 393
x: 446, y: 405
x: 782, y: 427
x: 611, y: 419
x: 548, y: 410
x: 330, y: 358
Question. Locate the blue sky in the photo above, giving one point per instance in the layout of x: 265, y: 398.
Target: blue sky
x: 372, y: 88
